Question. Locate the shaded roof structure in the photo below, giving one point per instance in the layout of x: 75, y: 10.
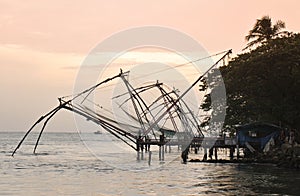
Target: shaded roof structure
x: 257, y: 134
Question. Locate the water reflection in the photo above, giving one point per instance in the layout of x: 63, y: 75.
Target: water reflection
x: 65, y: 167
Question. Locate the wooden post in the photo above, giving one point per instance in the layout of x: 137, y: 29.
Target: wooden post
x: 138, y: 149
x: 196, y: 150
x: 237, y: 152
x: 216, y: 153
x: 205, y: 154
x: 142, y: 151
x: 147, y: 145
x: 149, y: 159
x: 231, y: 153
x: 210, y: 153
x: 159, y: 153
x: 163, y: 153
x: 237, y: 148
x: 161, y: 147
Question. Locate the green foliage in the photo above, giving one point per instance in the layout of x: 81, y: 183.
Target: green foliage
x: 264, y: 84
x: 214, y: 102
x: 263, y: 31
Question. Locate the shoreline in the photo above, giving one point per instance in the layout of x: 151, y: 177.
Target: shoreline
x: 283, y: 157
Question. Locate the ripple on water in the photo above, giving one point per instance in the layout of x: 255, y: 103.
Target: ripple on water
x: 63, y: 166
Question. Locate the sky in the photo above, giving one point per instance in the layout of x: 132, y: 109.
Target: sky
x: 43, y: 43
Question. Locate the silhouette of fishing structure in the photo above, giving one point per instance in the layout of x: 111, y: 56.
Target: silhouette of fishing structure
x: 150, y: 118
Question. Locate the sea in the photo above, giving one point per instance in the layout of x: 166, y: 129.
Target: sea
x: 71, y: 164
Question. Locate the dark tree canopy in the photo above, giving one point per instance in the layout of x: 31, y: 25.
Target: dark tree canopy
x: 263, y: 31
x: 264, y: 84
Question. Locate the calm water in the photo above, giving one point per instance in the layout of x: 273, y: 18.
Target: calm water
x: 66, y: 167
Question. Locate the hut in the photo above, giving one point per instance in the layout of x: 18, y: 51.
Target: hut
x: 256, y: 137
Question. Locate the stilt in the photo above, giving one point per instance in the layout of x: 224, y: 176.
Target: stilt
x: 216, y: 154
x: 205, y: 154
x: 231, y: 153
x: 147, y: 145
x: 163, y: 153
x: 161, y: 147
x: 237, y: 147
x: 210, y: 153
x: 137, y: 155
x: 149, y: 159
x: 138, y: 150
x: 237, y: 152
x: 142, y: 152
x: 159, y: 153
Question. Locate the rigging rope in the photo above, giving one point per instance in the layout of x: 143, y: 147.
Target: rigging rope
x: 148, y: 74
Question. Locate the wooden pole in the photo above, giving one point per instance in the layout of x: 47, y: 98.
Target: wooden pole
x: 149, y: 159
x: 205, y: 154
x: 216, y: 153
x: 159, y: 153
x: 163, y: 153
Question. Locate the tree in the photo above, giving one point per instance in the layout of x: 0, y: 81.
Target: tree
x: 263, y: 31
x: 214, y: 103
x: 264, y: 84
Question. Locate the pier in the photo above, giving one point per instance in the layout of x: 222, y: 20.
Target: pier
x: 210, y: 146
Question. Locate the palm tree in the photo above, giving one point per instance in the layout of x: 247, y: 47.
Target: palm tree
x: 263, y: 31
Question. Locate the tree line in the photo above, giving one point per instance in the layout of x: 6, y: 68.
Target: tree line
x: 263, y: 83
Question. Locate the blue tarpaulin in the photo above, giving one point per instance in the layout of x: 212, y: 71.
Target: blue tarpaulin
x: 257, y: 134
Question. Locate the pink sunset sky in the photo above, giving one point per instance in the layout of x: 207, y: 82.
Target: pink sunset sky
x: 39, y: 39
